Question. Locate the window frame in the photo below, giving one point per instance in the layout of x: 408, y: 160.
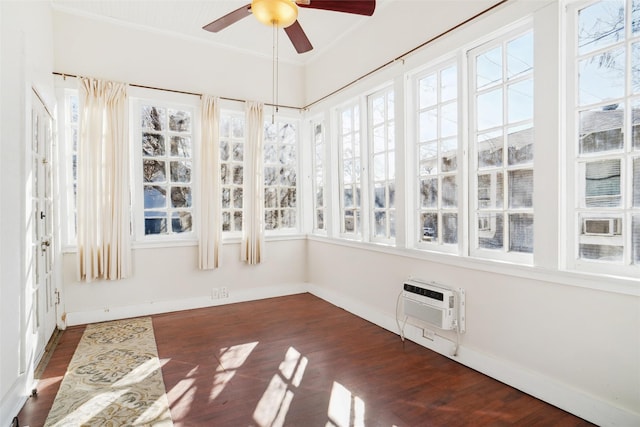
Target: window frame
x: 296, y: 121
x: 413, y: 113
x: 179, y: 101
x: 576, y: 210
x: 388, y: 123
x: 319, y: 174
x: 503, y: 253
x: 232, y: 113
x: 358, y: 111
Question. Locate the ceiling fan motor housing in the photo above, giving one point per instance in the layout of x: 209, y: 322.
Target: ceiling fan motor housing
x: 281, y: 13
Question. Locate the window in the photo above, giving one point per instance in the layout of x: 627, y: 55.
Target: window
x: 317, y: 138
x: 437, y: 157
x: 231, y: 169
x: 281, y: 175
x: 164, y: 145
x: 502, y: 155
x: 350, y: 179
x: 71, y: 121
x: 606, y: 147
x: 382, y: 161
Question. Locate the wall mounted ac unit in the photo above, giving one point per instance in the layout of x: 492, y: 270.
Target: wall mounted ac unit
x: 432, y: 304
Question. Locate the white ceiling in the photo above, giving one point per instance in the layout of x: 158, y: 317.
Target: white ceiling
x: 323, y: 28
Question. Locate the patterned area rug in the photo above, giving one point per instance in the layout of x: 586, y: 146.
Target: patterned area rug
x: 113, y: 379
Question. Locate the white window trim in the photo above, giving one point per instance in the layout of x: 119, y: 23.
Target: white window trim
x: 170, y: 100
x: 412, y: 163
x: 370, y: 208
x: 291, y: 231
x: 313, y: 122
x: 574, y: 177
x: 474, y: 251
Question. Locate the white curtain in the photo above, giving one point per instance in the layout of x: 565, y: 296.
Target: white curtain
x: 209, y: 241
x: 253, y: 198
x: 103, y: 200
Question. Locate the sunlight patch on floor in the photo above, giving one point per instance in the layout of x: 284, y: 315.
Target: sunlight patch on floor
x: 85, y: 413
x: 274, y: 404
x: 138, y: 374
x: 231, y: 359
x: 345, y: 409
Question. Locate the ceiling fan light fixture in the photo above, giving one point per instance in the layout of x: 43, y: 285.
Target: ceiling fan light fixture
x: 281, y: 13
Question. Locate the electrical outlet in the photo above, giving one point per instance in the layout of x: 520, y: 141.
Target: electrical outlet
x: 215, y: 293
x: 224, y: 292
x: 430, y: 335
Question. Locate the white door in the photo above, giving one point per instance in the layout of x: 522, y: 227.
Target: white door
x: 44, y: 294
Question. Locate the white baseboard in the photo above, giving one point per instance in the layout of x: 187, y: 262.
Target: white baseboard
x: 157, y: 307
x: 542, y: 387
x: 13, y: 401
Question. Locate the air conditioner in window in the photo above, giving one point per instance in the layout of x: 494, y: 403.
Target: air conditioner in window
x: 431, y: 304
x: 602, y: 226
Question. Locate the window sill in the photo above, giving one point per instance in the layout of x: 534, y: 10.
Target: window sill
x: 606, y: 283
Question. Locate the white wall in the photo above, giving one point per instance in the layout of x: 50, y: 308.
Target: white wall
x: 168, y: 279
x: 104, y: 49
x: 576, y: 348
x: 27, y: 62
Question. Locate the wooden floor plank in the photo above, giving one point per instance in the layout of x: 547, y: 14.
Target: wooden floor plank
x: 300, y: 361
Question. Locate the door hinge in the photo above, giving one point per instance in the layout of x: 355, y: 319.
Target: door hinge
x: 57, y: 293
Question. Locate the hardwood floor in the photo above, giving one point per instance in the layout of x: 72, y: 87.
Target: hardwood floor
x: 299, y: 361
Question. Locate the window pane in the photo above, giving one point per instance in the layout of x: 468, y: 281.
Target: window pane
x: 449, y: 120
x: 520, y: 144
x: 379, y: 167
x: 288, y: 198
x: 429, y: 223
x: 428, y: 125
x: 428, y: 93
x: 490, y: 149
x: 224, y: 150
x: 490, y: 231
x: 490, y: 190
x: 449, y: 192
x: 601, y: 77
x: 154, y: 197
x: 601, y: 129
x: 153, y: 171
x: 429, y: 193
x: 181, y: 222
x: 179, y: 121
x: 449, y: 153
x: 636, y: 182
x: 635, y: 67
x: 489, y: 109
x: 521, y: 233
x: 448, y: 83
x: 181, y: 197
x: 155, y: 222
x: 450, y: 228
x: 152, y: 144
x: 600, y: 24
x: 489, y: 68
x: 601, y: 252
x: 379, y: 197
x: 602, y: 183
x: 237, y: 199
x: 635, y: 124
x: 520, y: 101
x: 521, y: 188
x: 380, y: 219
x: 226, y: 198
x: 180, y: 146
x: 180, y: 171
x: 153, y: 118
x: 520, y: 55
x: 635, y: 239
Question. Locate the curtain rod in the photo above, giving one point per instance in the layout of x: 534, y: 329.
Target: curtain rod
x: 407, y: 53
x: 65, y: 75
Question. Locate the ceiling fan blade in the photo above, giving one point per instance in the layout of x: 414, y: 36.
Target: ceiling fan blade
x: 298, y: 37
x: 359, y: 7
x: 228, y: 19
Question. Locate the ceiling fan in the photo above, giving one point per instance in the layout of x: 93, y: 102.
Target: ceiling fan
x: 284, y: 14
